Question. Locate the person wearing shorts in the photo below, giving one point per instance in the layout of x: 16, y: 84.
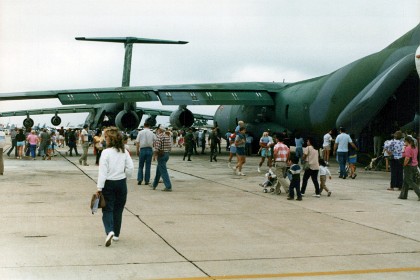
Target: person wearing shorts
x: 266, y: 142
x: 326, y: 146
x: 240, y: 142
x: 20, y: 143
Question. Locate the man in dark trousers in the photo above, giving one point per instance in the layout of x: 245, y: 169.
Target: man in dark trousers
x: 13, y: 138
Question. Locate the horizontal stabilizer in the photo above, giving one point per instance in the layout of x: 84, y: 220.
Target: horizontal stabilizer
x: 129, y: 40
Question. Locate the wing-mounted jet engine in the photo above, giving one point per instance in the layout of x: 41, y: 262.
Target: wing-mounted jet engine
x: 28, y: 122
x: 128, y: 120
x: 56, y: 120
x: 181, y: 117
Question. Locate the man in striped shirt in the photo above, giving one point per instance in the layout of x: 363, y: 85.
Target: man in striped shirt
x: 162, y: 146
x: 281, y: 155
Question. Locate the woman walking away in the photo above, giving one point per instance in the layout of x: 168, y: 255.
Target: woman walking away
x: 310, y: 154
x: 410, y: 168
x: 20, y: 143
x: 115, y: 166
x: 33, y: 141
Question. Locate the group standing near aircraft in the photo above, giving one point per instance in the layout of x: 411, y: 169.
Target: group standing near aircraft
x: 379, y: 90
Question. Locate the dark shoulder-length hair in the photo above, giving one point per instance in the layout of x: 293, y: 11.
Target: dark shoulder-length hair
x: 115, y: 139
x: 410, y: 141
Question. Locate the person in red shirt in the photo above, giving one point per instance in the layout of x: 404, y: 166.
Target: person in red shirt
x: 410, y: 168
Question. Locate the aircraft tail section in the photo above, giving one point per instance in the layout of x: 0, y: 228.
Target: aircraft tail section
x: 129, y: 40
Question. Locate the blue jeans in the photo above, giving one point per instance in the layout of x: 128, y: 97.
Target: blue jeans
x: 115, y: 194
x: 342, y: 159
x: 161, y: 170
x: 32, y: 149
x: 299, y: 153
x: 145, y: 157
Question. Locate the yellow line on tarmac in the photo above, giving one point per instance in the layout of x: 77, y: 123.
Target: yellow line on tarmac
x: 302, y: 274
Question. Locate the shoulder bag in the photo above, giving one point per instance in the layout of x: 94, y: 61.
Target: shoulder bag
x: 97, y: 201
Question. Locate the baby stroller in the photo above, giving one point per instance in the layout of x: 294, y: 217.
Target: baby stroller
x: 377, y: 163
x: 270, y: 182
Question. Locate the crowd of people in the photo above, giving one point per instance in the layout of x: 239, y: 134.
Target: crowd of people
x: 283, y: 159
x: 401, y: 152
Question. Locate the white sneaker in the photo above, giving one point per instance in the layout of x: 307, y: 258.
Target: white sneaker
x: 316, y: 195
x: 108, y: 240
x: 259, y: 171
x: 115, y: 238
x: 241, y: 174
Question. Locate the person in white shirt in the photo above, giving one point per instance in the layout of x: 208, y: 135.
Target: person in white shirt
x: 84, y: 138
x: 326, y: 146
x: 144, y: 147
x: 115, y: 166
x: 323, y: 173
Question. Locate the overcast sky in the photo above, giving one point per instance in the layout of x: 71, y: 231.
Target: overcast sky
x: 229, y: 41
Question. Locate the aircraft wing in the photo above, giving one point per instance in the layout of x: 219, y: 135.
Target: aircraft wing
x: 57, y: 110
x: 193, y: 94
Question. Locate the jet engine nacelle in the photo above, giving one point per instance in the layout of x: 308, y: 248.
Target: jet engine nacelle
x: 127, y: 120
x: 28, y: 122
x: 55, y: 121
x: 181, y: 118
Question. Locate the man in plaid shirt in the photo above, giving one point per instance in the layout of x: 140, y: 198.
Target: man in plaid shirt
x: 162, y: 146
x: 281, y: 155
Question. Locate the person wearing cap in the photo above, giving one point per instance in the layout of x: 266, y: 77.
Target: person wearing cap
x: 144, y: 147
x: 162, y: 147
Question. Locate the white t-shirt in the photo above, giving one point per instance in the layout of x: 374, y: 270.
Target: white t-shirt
x: 84, y: 136
x: 327, y: 140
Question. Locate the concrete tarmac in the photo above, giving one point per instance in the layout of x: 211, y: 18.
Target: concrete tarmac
x: 214, y: 225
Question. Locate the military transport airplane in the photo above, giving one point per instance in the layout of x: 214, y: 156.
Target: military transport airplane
x: 379, y: 90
